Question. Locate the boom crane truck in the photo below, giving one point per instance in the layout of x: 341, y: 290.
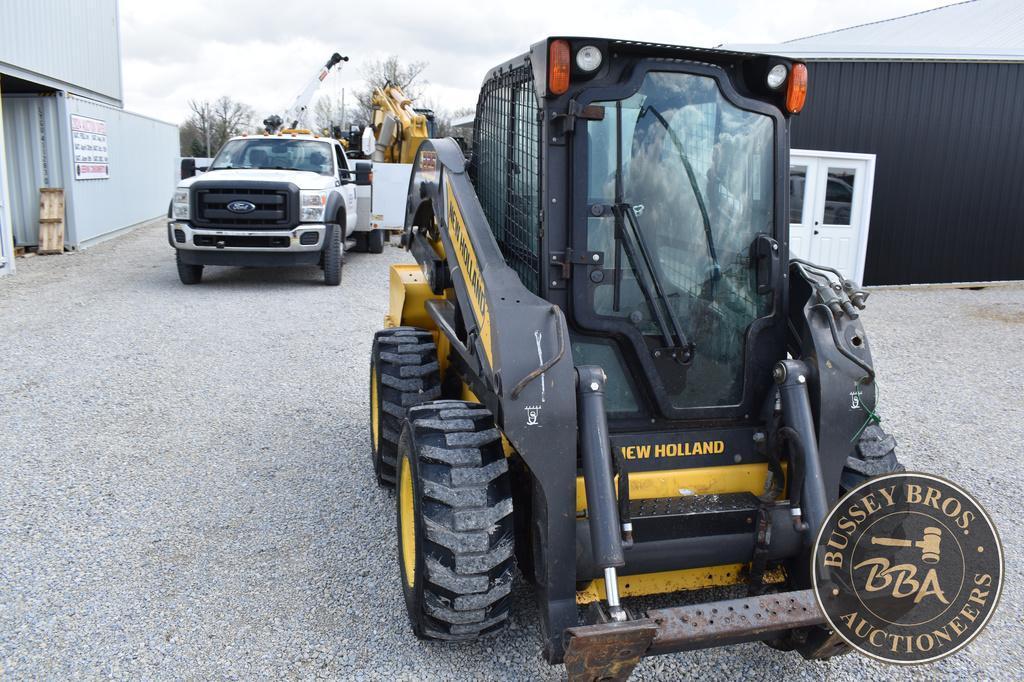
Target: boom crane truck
x: 284, y: 198
x: 295, y: 116
x: 398, y: 127
x: 398, y: 130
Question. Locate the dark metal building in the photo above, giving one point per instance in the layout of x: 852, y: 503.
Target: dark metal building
x: 938, y: 96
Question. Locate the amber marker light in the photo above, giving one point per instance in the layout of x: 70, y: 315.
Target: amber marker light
x: 796, y: 91
x: 558, y: 67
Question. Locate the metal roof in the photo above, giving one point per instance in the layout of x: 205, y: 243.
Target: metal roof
x: 977, y: 30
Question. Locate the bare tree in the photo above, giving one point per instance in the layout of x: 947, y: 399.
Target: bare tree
x: 327, y: 112
x: 380, y: 72
x: 443, y: 119
x: 192, y: 141
x: 200, y: 123
x: 230, y: 118
x: 211, y: 124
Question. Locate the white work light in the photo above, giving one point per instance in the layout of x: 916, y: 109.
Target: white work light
x: 588, y: 58
x: 777, y: 76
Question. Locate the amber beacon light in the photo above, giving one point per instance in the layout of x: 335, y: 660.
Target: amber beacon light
x: 558, y: 67
x: 796, y: 91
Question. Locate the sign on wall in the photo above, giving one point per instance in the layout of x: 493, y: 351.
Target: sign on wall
x: 89, y: 138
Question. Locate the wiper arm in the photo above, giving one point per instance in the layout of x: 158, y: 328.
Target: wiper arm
x: 692, y: 177
x: 654, y: 292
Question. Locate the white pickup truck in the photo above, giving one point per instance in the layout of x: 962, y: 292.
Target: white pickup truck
x: 271, y: 200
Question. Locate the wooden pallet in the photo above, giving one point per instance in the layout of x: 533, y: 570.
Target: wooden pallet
x: 51, y: 220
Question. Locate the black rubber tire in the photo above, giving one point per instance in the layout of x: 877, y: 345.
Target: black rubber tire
x: 403, y: 363
x: 874, y: 455
x: 188, y: 273
x: 375, y: 241
x: 332, y: 258
x: 462, y: 512
x: 360, y: 242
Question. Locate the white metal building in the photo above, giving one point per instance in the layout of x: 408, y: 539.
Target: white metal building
x: 62, y: 125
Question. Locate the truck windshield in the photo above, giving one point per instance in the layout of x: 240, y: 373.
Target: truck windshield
x: 275, y: 153
x: 693, y: 174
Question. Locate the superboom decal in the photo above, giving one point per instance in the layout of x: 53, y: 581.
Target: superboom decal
x: 470, y: 267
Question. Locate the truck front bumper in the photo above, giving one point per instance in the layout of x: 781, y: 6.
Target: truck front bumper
x: 305, y: 237
x: 264, y: 248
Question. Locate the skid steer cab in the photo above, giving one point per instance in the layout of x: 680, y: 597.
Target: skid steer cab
x: 605, y: 369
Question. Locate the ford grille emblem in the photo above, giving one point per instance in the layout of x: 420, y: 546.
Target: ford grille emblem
x: 241, y: 207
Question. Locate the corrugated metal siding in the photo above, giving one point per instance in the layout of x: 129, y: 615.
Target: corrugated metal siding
x: 143, y: 152
x: 32, y: 136
x: 75, y: 42
x: 949, y: 140
x: 6, y: 242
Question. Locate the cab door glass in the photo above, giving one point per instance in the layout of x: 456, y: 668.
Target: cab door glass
x: 797, y: 187
x: 342, y: 166
x: 697, y: 173
x: 839, y: 196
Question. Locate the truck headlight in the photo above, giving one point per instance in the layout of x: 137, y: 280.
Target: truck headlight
x: 179, y: 205
x: 312, y: 205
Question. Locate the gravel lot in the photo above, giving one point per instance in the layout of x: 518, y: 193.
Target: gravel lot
x: 186, y: 490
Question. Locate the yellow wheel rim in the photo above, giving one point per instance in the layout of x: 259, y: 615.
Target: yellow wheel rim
x: 374, y: 413
x: 406, y: 523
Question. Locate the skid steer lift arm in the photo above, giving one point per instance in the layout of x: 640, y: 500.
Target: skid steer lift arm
x: 510, y: 347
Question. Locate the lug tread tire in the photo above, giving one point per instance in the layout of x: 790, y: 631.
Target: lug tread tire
x: 409, y: 377
x: 874, y: 455
x: 463, y: 494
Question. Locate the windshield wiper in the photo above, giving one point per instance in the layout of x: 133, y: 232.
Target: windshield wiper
x: 692, y: 177
x: 632, y: 240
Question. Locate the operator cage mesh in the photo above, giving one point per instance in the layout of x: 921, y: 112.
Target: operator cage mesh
x: 506, y: 168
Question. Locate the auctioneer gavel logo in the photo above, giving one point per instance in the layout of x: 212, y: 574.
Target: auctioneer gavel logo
x: 928, y: 544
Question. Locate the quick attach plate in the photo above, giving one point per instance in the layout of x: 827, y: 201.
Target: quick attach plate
x: 610, y: 651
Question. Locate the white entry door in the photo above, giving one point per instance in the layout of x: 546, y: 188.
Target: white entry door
x: 830, y: 207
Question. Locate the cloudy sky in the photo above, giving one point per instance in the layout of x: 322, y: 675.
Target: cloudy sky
x: 262, y: 52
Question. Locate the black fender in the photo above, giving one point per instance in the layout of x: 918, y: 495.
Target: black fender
x: 170, y: 235
x: 335, y: 213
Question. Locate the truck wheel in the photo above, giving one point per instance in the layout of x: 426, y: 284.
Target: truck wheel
x: 454, y: 509
x: 332, y: 258
x: 375, y: 241
x: 403, y: 372
x: 188, y: 273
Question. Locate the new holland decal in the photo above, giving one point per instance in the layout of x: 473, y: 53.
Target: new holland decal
x: 683, y: 449
x: 470, y: 267
x: 705, y: 447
